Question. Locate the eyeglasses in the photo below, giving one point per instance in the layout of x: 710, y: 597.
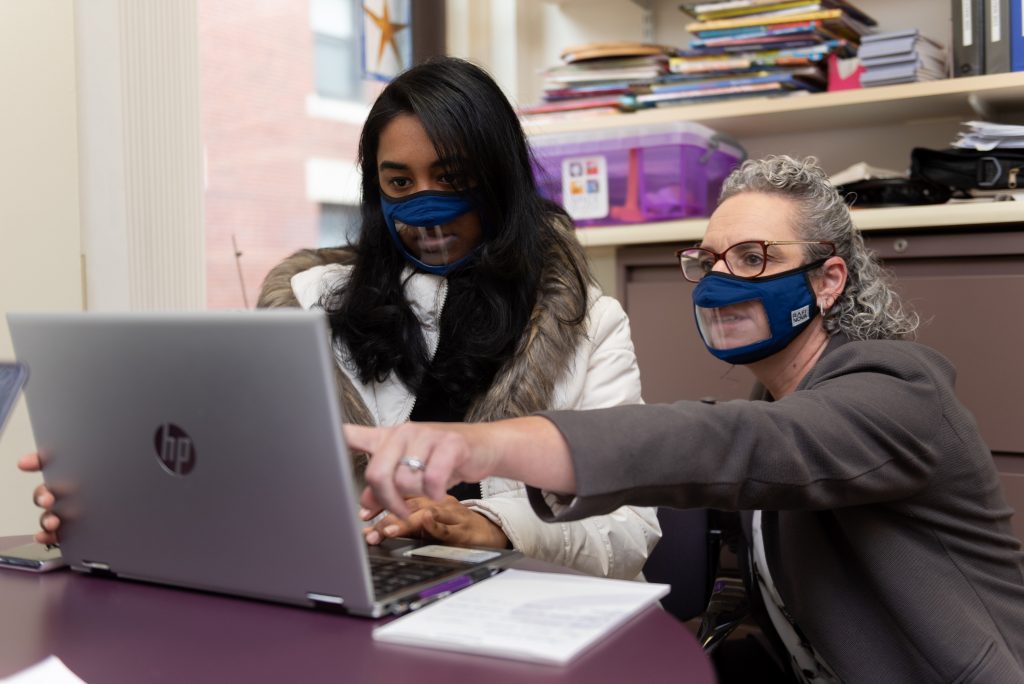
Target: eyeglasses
x: 744, y: 259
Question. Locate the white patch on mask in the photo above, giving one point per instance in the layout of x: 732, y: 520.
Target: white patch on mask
x: 800, y: 315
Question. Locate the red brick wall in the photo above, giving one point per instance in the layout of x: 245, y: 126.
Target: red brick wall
x: 256, y: 61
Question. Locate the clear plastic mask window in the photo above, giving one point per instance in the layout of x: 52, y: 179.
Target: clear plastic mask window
x: 735, y: 325
x: 431, y: 242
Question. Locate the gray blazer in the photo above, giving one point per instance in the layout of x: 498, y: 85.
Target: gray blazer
x: 892, y: 551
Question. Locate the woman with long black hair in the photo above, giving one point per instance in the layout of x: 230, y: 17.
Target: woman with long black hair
x: 467, y: 298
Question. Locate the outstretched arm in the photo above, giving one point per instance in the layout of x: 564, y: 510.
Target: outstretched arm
x: 529, y: 449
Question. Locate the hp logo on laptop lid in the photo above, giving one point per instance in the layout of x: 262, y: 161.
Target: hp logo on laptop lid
x: 174, y: 449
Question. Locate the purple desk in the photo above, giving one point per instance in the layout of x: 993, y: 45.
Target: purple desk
x: 110, y: 631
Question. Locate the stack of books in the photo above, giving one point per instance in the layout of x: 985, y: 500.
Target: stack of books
x: 758, y: 47
x: 592, y: 78
x: 901, y: 57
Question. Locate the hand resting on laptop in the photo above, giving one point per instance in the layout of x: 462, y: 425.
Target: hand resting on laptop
x: 447, y: 521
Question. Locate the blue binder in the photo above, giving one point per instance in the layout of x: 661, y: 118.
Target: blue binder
x: 1016, y: 35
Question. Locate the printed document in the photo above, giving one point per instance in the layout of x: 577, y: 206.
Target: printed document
x: 537, y: 616
x: 52, y: 670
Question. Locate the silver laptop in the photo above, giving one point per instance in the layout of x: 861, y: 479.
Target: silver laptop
x: 204, y: 450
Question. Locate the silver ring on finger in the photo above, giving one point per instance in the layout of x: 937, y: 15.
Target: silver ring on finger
x: 412, y: 463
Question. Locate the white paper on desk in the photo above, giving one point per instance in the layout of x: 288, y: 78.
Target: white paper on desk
x: 52, y: 670
x: 537, y: 616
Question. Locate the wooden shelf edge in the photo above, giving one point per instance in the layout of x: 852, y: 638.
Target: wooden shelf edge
x: 939, y: 215
x: 642, y: 233
x: 919, y: 217
x: 978, y: 87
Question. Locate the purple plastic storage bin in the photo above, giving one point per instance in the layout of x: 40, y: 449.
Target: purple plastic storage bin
x: 634, y: 175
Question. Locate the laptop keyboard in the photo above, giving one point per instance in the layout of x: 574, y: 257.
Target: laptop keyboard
x: 391, y: 575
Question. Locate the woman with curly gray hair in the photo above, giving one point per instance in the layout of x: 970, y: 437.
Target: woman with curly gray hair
x: 879, y: 545
x: 868, y: 308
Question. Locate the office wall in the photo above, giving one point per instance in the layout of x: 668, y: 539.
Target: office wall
x: 40, y: 264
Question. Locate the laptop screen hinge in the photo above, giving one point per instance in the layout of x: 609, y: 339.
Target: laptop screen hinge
x: 98, y: 568
x: 325, y: 600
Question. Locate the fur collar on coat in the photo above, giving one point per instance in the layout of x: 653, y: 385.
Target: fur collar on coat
x: 526, y: 382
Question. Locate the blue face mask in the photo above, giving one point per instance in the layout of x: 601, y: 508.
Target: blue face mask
x: 763, y: 317
x: 425, y: 211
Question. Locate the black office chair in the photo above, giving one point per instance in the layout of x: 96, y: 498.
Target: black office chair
x: 687, y: 558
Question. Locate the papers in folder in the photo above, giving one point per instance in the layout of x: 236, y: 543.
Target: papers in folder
x: 537, y: 616
x: 985, y: 136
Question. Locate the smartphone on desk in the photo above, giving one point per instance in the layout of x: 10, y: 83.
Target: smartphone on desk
x: 12, y: 378
x: 32, y: 558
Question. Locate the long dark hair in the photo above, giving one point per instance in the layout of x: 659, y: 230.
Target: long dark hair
x: 469, y: 120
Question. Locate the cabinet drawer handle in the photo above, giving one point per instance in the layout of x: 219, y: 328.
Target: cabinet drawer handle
x: 900, y: 245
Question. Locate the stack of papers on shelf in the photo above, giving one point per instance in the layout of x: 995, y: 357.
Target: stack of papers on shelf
x: 901, y: 57
x: 536, y: 616
x: 863, y: 171
x: 984, y: 136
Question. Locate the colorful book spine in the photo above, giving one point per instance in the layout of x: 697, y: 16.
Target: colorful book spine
x: 571, y: 105
x: 710, y: 92
x: 757, y: 21
x: 726, y: 8
x: 761, y: 30
x: 762, y: 45
x: 723, y: 83
x: 805, y: 5
x: 820, y: 49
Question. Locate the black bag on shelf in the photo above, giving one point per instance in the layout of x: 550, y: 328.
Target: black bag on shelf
x: 969, y: 169
x: 878, y: 192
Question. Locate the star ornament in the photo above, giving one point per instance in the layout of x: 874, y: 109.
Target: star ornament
x: 388, y: 29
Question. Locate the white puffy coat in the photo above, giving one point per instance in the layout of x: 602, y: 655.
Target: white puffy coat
x: 603, y: 373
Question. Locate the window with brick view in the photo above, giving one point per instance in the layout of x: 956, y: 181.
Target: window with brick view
x: 274, y: 149
x: 336, y: 52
